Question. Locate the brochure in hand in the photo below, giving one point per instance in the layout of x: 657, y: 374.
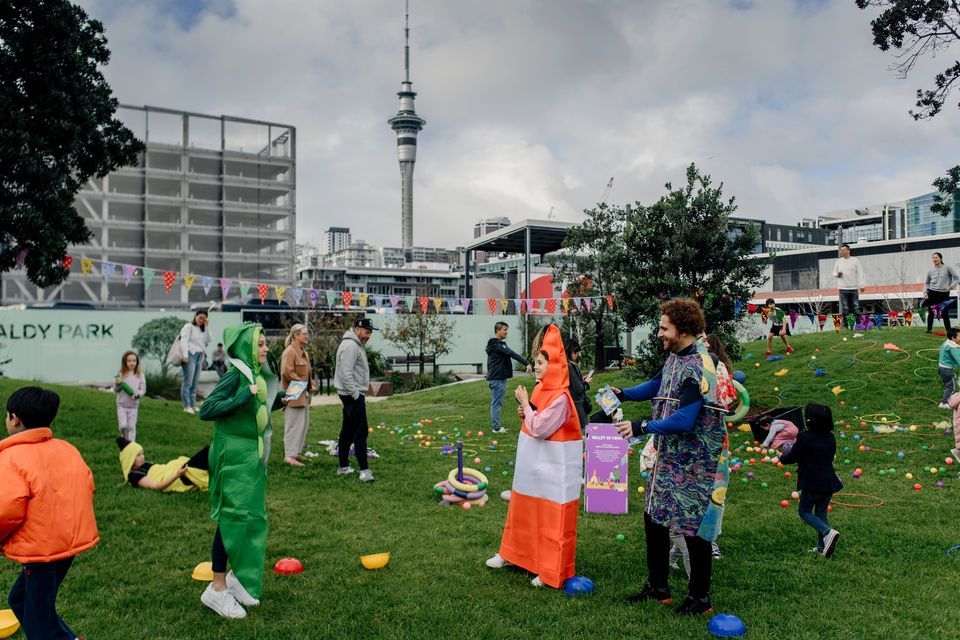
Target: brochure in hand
x: 607, y: 400
x: 296, y: 389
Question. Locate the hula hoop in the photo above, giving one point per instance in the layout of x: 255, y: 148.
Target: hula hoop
x: 466, y: 486
x: 878, y: 417
x: 447, y: 418
x: 888, y: 358
x: 744, y: 407
x: 843, y: 381
x: 879, y: 501
x: 933, y: 372
x: 952, y: 550
x: 934, y: 359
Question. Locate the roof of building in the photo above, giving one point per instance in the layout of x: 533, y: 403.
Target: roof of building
x: 546, y: 236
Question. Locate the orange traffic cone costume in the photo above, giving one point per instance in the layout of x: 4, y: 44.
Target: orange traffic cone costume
x: 540, y: 534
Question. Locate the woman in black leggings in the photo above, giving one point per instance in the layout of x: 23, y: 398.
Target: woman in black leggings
x: 936, y: 289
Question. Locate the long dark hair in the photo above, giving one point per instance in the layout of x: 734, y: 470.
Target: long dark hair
x: 716, y: 348
x: 200, y: 312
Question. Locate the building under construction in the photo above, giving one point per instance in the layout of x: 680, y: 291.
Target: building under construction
x: 210, y: 196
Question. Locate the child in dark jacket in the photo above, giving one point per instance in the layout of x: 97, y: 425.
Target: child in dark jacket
x: 817, y: 481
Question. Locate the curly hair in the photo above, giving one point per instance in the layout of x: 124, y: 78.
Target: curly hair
x: 685, y: 314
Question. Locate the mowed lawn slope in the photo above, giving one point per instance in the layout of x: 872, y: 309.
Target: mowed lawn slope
x: 890, y: 578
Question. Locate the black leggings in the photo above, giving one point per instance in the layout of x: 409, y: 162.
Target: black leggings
x: 353, y: 431
x: 658, y: 559
x: 201, y: 459
x: 935, y: 298
x: 218, y: 553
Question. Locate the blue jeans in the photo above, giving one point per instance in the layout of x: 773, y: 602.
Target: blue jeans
x: 813, y: 511
x: 498, y: 390
x: 191, y: 373
x: 33, y: 600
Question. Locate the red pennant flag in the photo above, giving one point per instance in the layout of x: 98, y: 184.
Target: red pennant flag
x: 609, y: 301
x: 346, y: 296
x: 424, y: 301
x: 551, y: 305
x: 262, y: 292
x: 492, y: 303
x: 752, y: 308
x: 169, y: 277
x: 822, y: 319
x: 67, y: 261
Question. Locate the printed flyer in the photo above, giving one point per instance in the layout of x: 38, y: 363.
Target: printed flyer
x: 608, y: 455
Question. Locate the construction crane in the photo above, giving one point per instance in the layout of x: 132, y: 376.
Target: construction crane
x: 606, y: 191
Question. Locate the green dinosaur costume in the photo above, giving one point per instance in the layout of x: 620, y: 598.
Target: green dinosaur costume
x: 238, y: 455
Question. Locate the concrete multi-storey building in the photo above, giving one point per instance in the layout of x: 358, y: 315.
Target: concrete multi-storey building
x: 210, y: 196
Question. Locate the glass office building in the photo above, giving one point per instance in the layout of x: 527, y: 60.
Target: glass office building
x: 923, y: 222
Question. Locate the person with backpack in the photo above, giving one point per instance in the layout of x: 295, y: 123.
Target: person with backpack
x: 194, y: 338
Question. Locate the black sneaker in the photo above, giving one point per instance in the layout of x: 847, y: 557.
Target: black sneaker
x: 694, y: 606
x: 649, y: 593
x: 715, y: 551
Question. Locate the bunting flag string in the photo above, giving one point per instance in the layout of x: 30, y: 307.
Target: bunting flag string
x: 188, y: 279
x: 207, y: 282
x: 298, y: 295
x: 280, y: 290
x: 106, y: 269
x: 148, y: 274
x: 128, y: 272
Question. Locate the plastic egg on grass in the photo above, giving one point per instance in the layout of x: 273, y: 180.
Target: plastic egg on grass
x: 908, y: 476
x: 842, y: 403
x: 641, y: 490
x: 744, y: 480
x: 933, y: 470
x: 757, y: 365
x: 948, y: 460
x: 829, y: 508
x: 795, y: 495
x: 476, y: 460
x: 940, y: 485
x: 466, y: 505
x: 917, y: 487
x: 784, y: 503
x: 844, y: 339
x: 621, y: 537
x: 787, y: 475
x: 764, y: 485
x: 913, y: 427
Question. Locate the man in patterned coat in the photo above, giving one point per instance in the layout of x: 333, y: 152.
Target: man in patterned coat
x: 687, y: 485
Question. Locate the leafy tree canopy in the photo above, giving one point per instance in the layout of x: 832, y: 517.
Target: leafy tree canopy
x: 153, y: 339
x: 57, y: 130
x: 917, y: 29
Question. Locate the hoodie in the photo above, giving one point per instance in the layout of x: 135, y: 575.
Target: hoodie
x: 352, y: 375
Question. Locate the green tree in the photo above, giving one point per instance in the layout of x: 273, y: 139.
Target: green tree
x: 591, y: 266
x: 916, y: 29
x: 421, y: 334
x: 681, y: 246
x: 57, y: 130
x: 153, y: 339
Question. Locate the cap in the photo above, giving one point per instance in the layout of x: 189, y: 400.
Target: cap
x: 364, y: 323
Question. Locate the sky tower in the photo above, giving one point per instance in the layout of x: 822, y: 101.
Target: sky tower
x: 407, y: 124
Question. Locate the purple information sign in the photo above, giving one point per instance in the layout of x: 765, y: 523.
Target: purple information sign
x: 607, y: 462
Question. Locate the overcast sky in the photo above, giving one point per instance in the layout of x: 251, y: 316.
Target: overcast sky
x: 533, y: 104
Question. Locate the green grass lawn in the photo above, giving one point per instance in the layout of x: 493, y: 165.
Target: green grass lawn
x: 890, y: 577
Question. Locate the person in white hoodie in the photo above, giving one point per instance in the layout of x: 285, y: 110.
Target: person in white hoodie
x: 850, y: 281
x: 351, y: 379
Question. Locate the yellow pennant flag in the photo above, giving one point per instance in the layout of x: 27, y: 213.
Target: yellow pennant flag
x: 363, y: 300
x: 437, y: 303
x: 280, y: 289
x: 505, y: 304
x: 85, y: 265
x: 566, y: 304
x: 188, y: 279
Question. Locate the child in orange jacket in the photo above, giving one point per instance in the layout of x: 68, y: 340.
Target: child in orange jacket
x: 46, y: 510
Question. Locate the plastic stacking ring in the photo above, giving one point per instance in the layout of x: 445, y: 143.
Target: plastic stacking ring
x: 466, y: 486
x: 744, y: 403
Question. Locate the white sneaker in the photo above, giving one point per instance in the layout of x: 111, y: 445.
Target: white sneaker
x: 222, y: 602
x: 234, y: 587
x: 830, y: 542
x: 497, y: 562
x: 537, y: 582
x: 189, y: 410
x: 500, y: 430
x: 943, y: 405
x: 366, y: 475
x: 343, y: 471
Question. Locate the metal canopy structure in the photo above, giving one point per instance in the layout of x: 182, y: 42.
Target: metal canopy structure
x: 527, y: 237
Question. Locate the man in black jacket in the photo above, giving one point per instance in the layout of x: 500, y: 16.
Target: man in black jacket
x: 499, y: 369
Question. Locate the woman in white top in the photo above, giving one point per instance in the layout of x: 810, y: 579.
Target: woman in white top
x: 194, y: 338
x: 936, y: 289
